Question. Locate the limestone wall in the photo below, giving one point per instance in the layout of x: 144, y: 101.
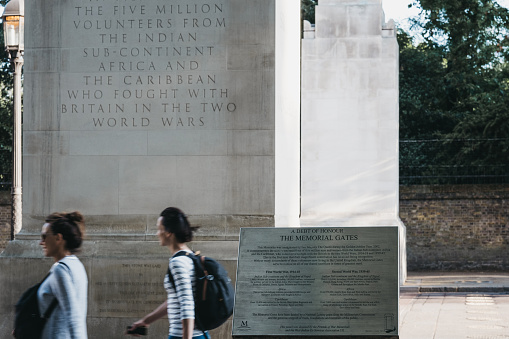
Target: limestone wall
x: 456, y: 227
x: 134, y: 106
x: 349, y: 116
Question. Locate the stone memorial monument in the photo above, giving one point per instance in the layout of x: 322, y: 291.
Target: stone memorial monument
x: 131, y: 106
x: 349, y: 178
x: 350, y: 119
x: 350, y: 233
x: 134, y: 106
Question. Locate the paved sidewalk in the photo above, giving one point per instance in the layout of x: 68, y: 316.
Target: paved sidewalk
x: 455, y: 306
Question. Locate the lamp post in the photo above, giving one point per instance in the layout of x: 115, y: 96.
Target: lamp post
x: 13, y: 23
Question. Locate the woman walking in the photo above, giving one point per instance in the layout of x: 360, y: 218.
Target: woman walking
x: 174, y: 231
x: 61, y: 238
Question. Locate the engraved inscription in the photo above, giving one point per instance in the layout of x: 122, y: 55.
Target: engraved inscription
x: 127, y: 289
x: 139, y: 64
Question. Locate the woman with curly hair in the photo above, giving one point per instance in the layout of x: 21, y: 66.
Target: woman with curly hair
x: 67, y: 283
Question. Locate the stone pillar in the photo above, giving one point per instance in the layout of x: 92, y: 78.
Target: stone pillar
x: 134, y: 106
x: 350, y: 118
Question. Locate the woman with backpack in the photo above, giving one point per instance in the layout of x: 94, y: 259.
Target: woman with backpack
x: 174, y: 231
x: 67, y: 283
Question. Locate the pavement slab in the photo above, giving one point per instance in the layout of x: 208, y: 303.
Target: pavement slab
x: 454, y: 316
x: 462, y: 305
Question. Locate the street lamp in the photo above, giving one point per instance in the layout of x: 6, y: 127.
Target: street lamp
x: 14, y: 22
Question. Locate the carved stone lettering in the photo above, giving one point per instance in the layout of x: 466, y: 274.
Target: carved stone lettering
x: 126, y: 289
x: 146, y: 65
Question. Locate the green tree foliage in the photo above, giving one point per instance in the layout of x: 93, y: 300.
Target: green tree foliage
x: 454, y: 84
x: 421, y: 116
x: 6, y: 109
x: 308, y: 10
x: 421, y: 78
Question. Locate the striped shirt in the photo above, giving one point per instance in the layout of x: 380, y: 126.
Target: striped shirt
x: 180, y: 298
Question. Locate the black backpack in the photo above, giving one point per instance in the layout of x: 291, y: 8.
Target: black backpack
x: 28, y: 322
x: 214, y: 296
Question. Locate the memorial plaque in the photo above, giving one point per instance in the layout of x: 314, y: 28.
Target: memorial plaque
x: 317, y: 281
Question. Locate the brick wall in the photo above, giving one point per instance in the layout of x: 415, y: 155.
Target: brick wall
x: 5, y: 219
x: 463, y: 227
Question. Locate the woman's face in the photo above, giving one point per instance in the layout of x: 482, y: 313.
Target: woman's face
x: 48, y: 241
x: 162, y: 234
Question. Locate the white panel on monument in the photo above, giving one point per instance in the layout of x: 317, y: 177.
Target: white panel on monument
x: 350, y: 117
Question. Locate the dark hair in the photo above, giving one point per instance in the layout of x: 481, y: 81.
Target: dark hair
x: 70, y: 225
x: 175, y: 221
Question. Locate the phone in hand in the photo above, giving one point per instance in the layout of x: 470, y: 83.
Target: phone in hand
x: 142, y: 330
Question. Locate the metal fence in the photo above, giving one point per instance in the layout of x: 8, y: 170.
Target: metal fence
x: 459, y: 161
x: 5, y: 169
x: 5, y: 181
x: 427, y: 162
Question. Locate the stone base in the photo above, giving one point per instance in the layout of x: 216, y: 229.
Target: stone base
x: 125, y: 281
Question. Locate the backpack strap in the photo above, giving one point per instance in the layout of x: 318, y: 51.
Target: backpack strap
x: 178, y: 254
x: 54, y: 303
x: 50, y: 309
x: 206, y: 277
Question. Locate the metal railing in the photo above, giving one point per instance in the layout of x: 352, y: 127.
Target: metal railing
x: 459, y: 161
x: 5, y: 181
x: 5, y: 169
x: 429, y: 162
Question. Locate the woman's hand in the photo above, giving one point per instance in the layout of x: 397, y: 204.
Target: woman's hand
x: 158, y: 313
x: 139, y: 323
